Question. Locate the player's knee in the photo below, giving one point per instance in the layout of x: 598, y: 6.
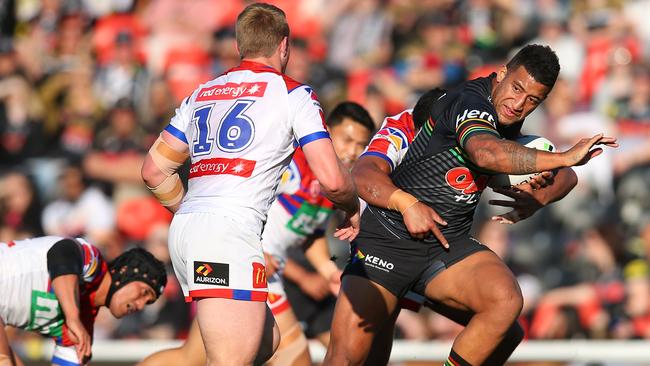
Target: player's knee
x: 505, y: 302
x: 294, y: 349
x: 351, y: 351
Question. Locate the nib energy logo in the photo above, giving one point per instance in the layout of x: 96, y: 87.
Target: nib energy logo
x: 210, y: 273
x: 372, y: 261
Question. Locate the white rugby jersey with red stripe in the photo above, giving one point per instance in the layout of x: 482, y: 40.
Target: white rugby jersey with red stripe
x: 392, y: 140
x: 242, y: 129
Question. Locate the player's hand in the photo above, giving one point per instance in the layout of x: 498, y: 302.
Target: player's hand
x: 315, y: 286
x: 539, y: 181
x: 421, y: 220
x: 272, y: 264
x: 80, y: 337
x: 583, y: 151
x: 335, y: 282
x: 525, y: 204
x: 350, y: 227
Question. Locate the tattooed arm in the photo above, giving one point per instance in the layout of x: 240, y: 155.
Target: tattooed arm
x: 492, y: 153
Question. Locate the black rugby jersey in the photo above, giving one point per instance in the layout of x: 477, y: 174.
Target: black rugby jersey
x: 436, y: 169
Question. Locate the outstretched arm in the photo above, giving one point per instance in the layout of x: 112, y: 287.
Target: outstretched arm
x: 490, y: 152
x: 318, y: 254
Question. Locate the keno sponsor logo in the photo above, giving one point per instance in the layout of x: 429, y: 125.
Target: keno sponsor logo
x: 373, y: 261
x: 210, y: 273
x: 232, y: 91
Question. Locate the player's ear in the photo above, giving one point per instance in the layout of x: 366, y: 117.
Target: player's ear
x: 284, y: 47
x: 501, y: 74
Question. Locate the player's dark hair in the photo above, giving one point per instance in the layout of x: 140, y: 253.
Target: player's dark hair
x: 540, y: 62
x: 353, y: 111
x: 422, y: 109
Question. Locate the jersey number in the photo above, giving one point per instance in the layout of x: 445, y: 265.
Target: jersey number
x: 235, y: 132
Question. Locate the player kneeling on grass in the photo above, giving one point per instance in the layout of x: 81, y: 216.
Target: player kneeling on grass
x: 55, y: 286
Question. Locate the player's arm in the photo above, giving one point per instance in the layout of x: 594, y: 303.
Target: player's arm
x: 64, y: 264
x: 490, y: 152
x: 318, y: 254
x: 526, y: 200
x: 312, y: 284
x: 336, y: 182
x: 371, y: 174
x: 7, y: 356
x: 159, y: 170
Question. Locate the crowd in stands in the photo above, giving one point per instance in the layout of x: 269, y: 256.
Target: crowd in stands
x: 87, y: 85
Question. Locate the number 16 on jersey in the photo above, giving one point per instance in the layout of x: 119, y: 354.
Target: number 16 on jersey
x: 234, y: 134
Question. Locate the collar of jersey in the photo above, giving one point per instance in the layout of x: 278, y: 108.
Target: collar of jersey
x: 254, y: 66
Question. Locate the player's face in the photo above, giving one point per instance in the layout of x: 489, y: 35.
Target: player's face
x: 131, y: 298
x: 349, y: 138
x: 516, y: 95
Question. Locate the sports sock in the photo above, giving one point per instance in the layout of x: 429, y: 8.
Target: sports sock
x: 455, y: 360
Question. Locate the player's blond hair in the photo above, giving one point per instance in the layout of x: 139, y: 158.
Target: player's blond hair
x: 259, y: 30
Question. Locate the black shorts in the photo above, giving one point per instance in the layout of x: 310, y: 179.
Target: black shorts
x: 401, y: 265
x: 314, y: 316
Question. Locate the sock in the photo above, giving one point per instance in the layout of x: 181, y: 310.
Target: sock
x: 455, y: 360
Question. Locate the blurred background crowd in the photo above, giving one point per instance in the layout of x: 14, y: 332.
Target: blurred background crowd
x: 87, y: 85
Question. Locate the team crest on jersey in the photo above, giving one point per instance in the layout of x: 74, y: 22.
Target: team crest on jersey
x: 394, y: 136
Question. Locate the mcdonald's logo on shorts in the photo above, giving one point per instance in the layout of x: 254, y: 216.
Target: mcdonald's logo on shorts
x: 259, y: 275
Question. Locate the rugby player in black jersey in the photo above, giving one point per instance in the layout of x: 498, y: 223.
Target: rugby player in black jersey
x: 446, y: 168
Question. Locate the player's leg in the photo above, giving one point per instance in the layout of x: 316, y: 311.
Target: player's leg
x: 482, y: 283
x: 382, y: 345
x: 363, y: 309
x: 236, y: 332
x: 191, y: 353
x: 224, y: 271
x: 503, y: 350
x: 294, y: 348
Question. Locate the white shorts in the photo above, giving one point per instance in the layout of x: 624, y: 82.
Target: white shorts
x: 214, y: 256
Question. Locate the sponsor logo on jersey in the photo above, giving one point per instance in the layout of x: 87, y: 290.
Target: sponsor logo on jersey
x: 372, y: 261
x: 210, y: 273
x: 218, y: 166
x: 259, y: 275
x: 231, y: 91
x: 475, y: 114
x: 462, y: 179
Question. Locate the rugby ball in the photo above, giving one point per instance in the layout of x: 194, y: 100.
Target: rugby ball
x: 532, y: 141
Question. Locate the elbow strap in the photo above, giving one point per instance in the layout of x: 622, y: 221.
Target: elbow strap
x: 170, y: 191
x: 165, y: 157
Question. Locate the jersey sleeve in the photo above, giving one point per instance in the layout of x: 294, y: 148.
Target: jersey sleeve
x: 392, y: 140
x: 473, y: 115
x: 307, y: 119
x: 178, y: 124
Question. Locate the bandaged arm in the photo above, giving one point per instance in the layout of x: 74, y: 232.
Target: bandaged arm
x: 159, y: 170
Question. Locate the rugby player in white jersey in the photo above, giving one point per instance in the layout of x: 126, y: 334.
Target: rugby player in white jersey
x: 297, y: 217
x: 55, y: 286
x: 240, y: 131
